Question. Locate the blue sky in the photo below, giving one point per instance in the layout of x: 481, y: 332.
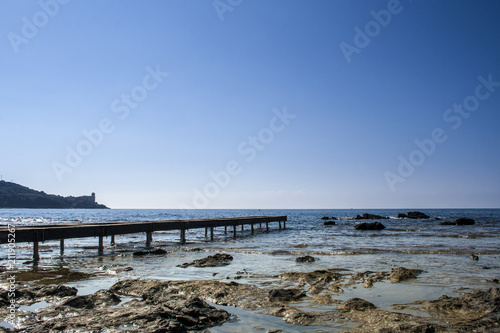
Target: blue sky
x: 253, y: 103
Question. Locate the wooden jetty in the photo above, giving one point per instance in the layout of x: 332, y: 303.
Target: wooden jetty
x: 38, y: 233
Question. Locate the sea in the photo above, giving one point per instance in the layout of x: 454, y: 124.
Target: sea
x: 443, y: 252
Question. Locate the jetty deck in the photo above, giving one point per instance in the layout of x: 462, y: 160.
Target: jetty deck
x: 38, y: 233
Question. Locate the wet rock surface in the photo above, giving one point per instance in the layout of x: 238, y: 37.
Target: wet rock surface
x: 150, y: 312
x: 217, y: 260
x: 141, y: 305
x: 477, y: 310
x: 29, y: 295
x: 286, y: 295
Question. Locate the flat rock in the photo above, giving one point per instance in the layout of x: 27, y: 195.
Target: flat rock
x: 286, y: 295
x: 37, y: 293
x: 217, y: 260
x: 172, y: 313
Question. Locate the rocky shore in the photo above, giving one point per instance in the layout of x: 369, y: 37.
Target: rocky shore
x: 145, y: 305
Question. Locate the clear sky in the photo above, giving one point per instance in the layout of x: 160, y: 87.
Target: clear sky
x: 253, y: 103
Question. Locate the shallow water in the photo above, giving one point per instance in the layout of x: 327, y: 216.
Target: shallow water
x: 441, y: 251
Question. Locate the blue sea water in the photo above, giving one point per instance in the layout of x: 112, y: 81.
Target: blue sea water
x: 442, y: 251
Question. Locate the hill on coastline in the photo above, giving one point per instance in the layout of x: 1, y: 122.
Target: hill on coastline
x: 13, y: 195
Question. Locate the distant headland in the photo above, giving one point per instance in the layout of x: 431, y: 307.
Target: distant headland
x: 13, y: 195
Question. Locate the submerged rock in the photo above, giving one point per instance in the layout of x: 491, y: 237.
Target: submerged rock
x: 305, y: 259
x: 369, y: 226
x: 329, y: 223
x: 402, y: 274
x: 448, y: 223
x: 316, y: 281
x: 157, y: 251
x: 217, y: 260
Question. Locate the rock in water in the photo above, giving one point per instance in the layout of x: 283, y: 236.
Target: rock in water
x: 329, y: 223
x: 369, y: 226
x: 417, y: 215
x: 367, y: 216
x: 357, y: 304
x: 217, y: 260
x: 286, y: 295
x: 402, y: 274
x: 157, y: 251
x: 464, y: 221
x: 305, y: 259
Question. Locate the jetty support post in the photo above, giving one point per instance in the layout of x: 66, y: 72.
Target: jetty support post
x: 149, y: 236
x: 36, y: 255
x: 206, y: 232
x: 61, y: 245
x: 211, y: 233
x: 225, y: 230
x: 112, y: 239
x: 101, y: 244
x: 279, y: 228
x: 251, y: 227
x: 183, y: 236
x: 234, y: 231
x: 267, y: 226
